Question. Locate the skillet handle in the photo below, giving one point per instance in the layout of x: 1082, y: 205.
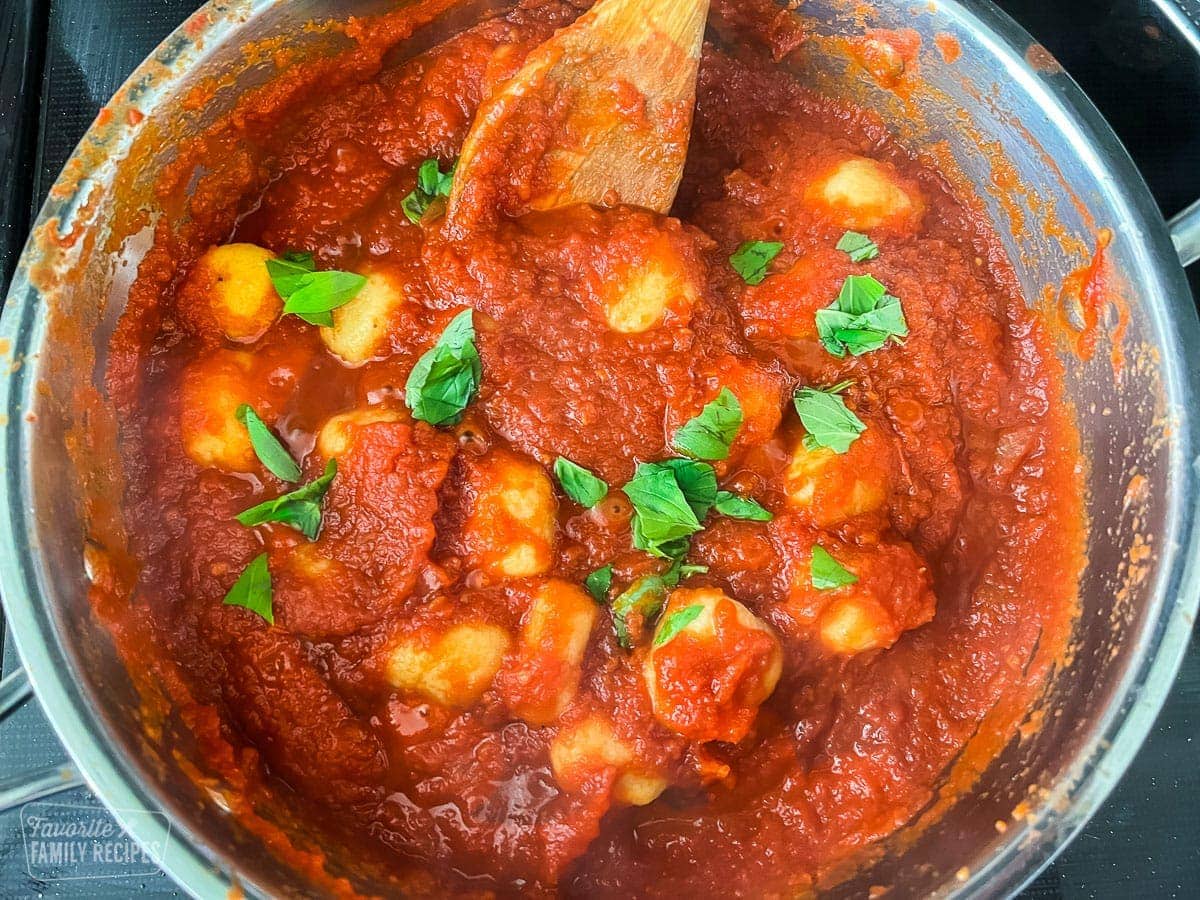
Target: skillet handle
x: 27, y: 786
x: 1185, y: 233
x: 1184, y: 15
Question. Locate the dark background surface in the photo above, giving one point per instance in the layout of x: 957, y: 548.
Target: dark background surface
x: 60, y: 60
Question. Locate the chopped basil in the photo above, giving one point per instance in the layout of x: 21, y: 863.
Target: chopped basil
x: 599, y: 583
x: 309, y: 294
x: 252, y: 590
x: 646, y: 597
x: 863, y: 318
x: 669, y: 499
x: 290, y: 272
x: 826, y: 572
x: 752, y: 258
x: 676, y: 622
x: 827, y: 420
x: 446, y: 378
x: 710, y: 434
x: 431, y: 184
x: 858, y: 247
x: 680, y: 570
x: 580, y: 485
x: 266, y: 446
x: 729, y: 504
x: 301, y: 509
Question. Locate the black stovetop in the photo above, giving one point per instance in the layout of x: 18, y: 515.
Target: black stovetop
x: 63, y: 58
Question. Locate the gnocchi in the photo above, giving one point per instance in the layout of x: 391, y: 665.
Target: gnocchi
x: 864, y: 194
x: 707, y: 680
x: 337, y: 434
x: 211, y: 391
x: 360, y: 327
x: 590, y: 748
x: 510, y: 529
x: 452, y: 668
x: 550, y: 653
x: 892, y: 593
x: 232, y: 285
x: 830, y: 488
x: 641, y: 295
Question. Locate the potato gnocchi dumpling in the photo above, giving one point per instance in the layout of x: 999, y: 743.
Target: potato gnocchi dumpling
x: 360, y: 327
x: 590, y: 749
x: 549, y: 658
x: 452, y: 667
x: 510, y: 527
x: 337, y: 434
x: 828, y: 488
x: 707, y: 681
x: 212, y: 389
x: 231, y: 287
x: 638, y: 296
x: 865, y: 194
x: 893, y: 594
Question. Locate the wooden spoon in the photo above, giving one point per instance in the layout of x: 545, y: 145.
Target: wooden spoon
x: 600, y: 113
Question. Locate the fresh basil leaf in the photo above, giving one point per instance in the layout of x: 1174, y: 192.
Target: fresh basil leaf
x: 710, y: 434
x: 324, y: 292
x: 301, y: 509
x: 580, y: 485
x: 661, y: 512
x: 752, y: 259
x: 676, y: 622
x: 290, y: 272
x: 864, y: 317
x: 729, y: 504
x: 446, y: 378
x: 599, y: 583
x: 827, y: 420
x: 252, y: 590
x: 309, y: 294
x: 697, y: 480
x: 431, y: 183
x: 680, y: 570
x: 266, y: 446
x: 646, y: 597
x: 858, y: 247
x: 827, y: 573
x: 670, y: 499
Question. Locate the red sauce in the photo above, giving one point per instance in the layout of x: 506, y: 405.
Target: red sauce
x: 958, y: 509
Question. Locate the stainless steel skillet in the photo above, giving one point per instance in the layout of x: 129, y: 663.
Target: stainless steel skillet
x: 1140, y: 427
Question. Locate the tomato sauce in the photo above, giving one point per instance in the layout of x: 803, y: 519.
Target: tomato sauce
x: 436, y: 689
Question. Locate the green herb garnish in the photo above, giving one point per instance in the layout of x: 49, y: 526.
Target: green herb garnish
x: 670, y: 499
x: 599, y: 583
x: 579, y: 484
x: 710, y: 434
x: 863, y: 318
x: 301, y: 509
x: 858, y: 247
x: 648, y: 594
x: 827, y: 420
x: 431, y: 184
x: 266, y: 446
x: 252, y: 590
x: 446, y: 378
x: 730, y: 504
x: 676, y: 622
x: 309, y: 294
x: 826, y: 572
x: 752, y: 258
